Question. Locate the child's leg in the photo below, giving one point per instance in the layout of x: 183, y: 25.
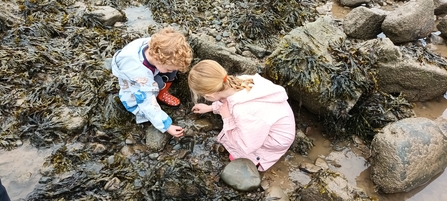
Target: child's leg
x: 164, y: 81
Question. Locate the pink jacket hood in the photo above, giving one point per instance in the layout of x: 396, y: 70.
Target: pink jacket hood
x: 263, y: 91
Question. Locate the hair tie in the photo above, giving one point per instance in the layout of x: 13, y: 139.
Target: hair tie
x: 225, y: 78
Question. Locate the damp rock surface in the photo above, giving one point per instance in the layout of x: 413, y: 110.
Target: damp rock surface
x: 241, y: 174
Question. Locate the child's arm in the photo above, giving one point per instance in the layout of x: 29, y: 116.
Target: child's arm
x: 201, y: 108
x: 146, y: 98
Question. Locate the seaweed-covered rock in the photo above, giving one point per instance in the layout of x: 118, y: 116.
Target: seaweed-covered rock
x: 302, y: 144
x: 315, y: 64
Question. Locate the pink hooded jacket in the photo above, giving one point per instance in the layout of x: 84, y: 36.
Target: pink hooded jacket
x: 261, y: 126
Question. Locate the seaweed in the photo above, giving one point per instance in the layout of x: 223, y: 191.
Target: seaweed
x: 371, y: 113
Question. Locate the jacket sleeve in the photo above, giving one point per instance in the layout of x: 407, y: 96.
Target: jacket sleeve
x: 138, y: 92
x: 150, y: 109
x: 246, y: 131
x: 216, y: 106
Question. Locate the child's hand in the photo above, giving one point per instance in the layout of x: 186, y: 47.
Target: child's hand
x: 224, y: 111
x: 175, y: 131
x: 202, y: 108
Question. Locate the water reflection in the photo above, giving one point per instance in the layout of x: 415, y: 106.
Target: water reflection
x: 20, y: 169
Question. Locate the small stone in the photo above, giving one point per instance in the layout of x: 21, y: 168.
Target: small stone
x: 320, y: 162
x: 111, y: 159
x: 130, y: 141
x: 309, y: 167
x: 113, y: 184
x: 218, y: 37
x: 98, y: 148
x: 275, y: 193
x: 153, y: 156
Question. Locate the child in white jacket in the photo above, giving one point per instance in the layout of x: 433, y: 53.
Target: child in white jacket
x: 145, y: 69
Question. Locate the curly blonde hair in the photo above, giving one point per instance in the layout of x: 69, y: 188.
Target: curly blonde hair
x: 169, y: 46
x: 208, y: 77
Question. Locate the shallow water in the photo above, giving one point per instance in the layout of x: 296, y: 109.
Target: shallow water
x: 20, y: 169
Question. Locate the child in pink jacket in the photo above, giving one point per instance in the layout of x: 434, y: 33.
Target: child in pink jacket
x: 258, y: 122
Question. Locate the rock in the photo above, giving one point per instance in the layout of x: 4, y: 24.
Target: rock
x: 71, y: 119
x: 203, y: 125
x: 258, y: 51
x: 98, y: 148
x: 109, y: 15
x: 399, y: 73
x: 442, y: 27
x: 440, y: 7
x: 364, y: 23
x: 302, y: 144
x: 156, y: 140
x: 233, y: 62
x: 112, y: 184
x: 153, y: 156
x: 329, y: 185
x: 275, y: 193
x: 309, y: 167
x: 417, y: 81
x: 436, y: 39
x: 320, y: 162
x: 241, y: 174
x: 353, y: 3
x: 315, y: 38
x: 383, y: 49
x: 401, y: 152
x: 410, y: 21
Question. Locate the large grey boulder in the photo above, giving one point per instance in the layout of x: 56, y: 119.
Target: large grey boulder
x: 398, y: 72
x: 409, y: 22
x: 401, y: 152
x: 364, y: 23
x: 417, y: 81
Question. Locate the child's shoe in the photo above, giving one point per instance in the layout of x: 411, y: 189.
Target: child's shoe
x: 166, y: 98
